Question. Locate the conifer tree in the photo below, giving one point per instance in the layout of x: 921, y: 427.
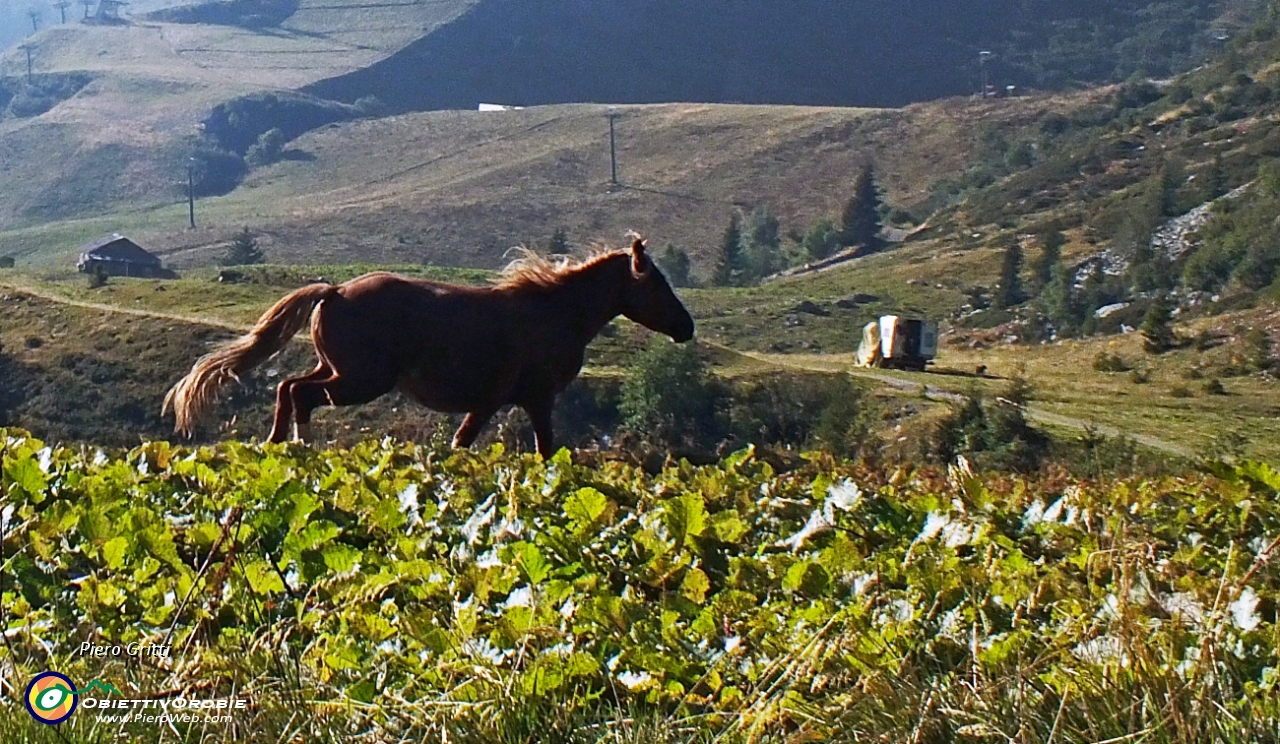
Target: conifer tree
x: 1009, y: 292
x: 729, y: 265
x: 559, y: 243
x: 1215, y: 181
x: 1060, y: 302
x: 1051, y: 243
x: 244, y: 250
x: 860, y: 221
x: 1157, y: 327
x: 677, y: 267
x: 761, y: 245
x: 1173, y: 174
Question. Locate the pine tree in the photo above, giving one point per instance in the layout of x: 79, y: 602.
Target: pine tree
x: 244, y: 250
x: 1172, y: 176
x: 1157, y: 327
x: 761, y: 245
x: 1060, y: 302
x: 677, y: 267
x: 1010, y: 289
x: 1215, y: 181
x: 1051, y: 243
x: 559, y: 243
x: 729, y: 266
x: 860, y: 220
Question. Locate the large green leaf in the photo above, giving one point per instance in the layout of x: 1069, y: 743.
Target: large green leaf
x: 25, y: 474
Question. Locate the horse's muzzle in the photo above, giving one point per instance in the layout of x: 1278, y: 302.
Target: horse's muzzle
x: 683, y: 333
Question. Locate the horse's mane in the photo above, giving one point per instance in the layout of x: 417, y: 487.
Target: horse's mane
x: 533, y: 270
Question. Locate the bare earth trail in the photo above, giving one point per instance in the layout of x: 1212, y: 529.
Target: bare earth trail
x: 51, y: 297
x: 775, y: 360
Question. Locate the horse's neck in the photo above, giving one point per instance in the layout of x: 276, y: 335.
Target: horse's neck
x: 592, y: 297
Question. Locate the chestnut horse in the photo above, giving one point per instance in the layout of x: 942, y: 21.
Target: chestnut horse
x: 455, y: 349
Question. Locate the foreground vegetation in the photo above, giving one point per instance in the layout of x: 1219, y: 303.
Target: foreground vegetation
x: 393, y: 592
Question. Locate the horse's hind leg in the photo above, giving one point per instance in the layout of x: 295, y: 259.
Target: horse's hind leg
x: 335, y: 390
x: 285, y: 405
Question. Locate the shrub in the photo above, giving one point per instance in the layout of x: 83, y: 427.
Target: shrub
x: 29, y: 103
x: 216, y: 170
x: 1214, y: 387
x: 992, y: 436
x: 822, y: 239
x: 1099, y: 455
x: 670, y: 396
x: 1140, y: 376
x: 371, y: 106
x: 1181, y: 391
x: 1105, y: 362
x: 815, y: 411
x: 238, y: 124
x: 587, y: 412
x: 98, y: 277
x: 267, y: 150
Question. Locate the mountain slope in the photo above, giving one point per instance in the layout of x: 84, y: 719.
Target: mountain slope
x: 461, y: 188
x: 122, y: 142
x: 813, y: 52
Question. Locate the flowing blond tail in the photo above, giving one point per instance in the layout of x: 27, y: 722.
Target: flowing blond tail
x: 191, y: 397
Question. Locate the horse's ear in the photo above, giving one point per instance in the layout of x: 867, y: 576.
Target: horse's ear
x: 639, y: 262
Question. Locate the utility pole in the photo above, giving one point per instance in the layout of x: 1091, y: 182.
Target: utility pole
x: 34, y: 15
x: 88, y: 5
x: 983, y: 56
x: 27, y: 48
x: 191, y: 191
x: 62, y: 6
x: 613, y: 147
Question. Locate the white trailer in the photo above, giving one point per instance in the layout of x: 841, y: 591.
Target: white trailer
x: 898, y: 343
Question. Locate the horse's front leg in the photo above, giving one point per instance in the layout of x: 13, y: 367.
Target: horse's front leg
x: 471, y: 426
x: 540, y: 415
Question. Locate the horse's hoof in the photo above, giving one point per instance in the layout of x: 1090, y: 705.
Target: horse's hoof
x: 302, y: 433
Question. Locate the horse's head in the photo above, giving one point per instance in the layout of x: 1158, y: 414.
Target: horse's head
x: 649, y: 301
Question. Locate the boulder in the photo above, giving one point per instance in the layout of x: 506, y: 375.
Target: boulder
x: 810, y: 308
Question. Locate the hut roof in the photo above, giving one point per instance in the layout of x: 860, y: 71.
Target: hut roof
x: 118, y: 248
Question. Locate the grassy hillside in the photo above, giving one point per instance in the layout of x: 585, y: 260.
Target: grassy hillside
x: 462, y: 187
x: 122, y: 142
x: 165, y: 72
